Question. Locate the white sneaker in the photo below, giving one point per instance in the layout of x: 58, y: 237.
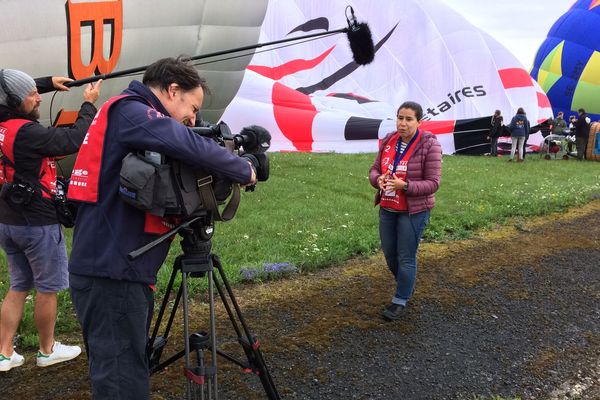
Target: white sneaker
x: 8, y: 363
x: 60, y: 353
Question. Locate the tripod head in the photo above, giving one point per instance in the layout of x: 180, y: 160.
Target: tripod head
x: 196, y: 232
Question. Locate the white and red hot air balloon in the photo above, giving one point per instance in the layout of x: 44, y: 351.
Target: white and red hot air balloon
x: 312, y: 98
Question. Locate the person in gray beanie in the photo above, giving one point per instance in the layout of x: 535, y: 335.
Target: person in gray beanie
x: 18, y: 85
x: 30, y: 233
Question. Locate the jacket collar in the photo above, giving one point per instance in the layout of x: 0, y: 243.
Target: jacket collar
x: 137, y: 88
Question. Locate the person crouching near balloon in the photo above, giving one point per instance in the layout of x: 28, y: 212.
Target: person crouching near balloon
x: 407, y: 173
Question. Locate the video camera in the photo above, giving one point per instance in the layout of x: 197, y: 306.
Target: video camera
x: 166, y: 187
x: 253, y: 141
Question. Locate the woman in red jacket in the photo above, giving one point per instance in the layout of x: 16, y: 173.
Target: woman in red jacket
x: 407, y: 173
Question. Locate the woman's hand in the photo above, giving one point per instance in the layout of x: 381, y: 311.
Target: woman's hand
x: 393, y: 183
x: 381, y: 181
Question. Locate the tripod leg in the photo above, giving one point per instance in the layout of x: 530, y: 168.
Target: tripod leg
x: 213, y: 332
x: 157, y: 343
x: 200, y: 363
x: 201, y: 379
x: 186, y: 333
x: 249, y: 343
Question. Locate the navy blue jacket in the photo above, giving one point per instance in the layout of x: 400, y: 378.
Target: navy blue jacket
x: 519, y: 126
x: 582, y: 126
x: 107, y: 231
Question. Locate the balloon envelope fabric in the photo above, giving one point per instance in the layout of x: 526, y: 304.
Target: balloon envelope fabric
x: 312, y: 97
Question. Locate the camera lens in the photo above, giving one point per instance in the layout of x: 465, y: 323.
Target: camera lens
x: 17, y: 198
x: 20, y: 194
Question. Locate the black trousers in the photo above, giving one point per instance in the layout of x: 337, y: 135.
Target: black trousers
x: 115, y: 317
x: 493, y: 146
x: 581, y: 144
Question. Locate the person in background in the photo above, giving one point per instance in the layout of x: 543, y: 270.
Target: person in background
x: 495, y: 132
x: 582, y: 133
x: 406, y: 174
x: 571, y: 134
x: 544, y: 127
x: 519, y: 130
x: 559, y: 125
x: 572, y: 121
x: 29, y: 230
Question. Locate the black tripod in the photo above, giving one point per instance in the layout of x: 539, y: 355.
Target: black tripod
x: 198, y: 261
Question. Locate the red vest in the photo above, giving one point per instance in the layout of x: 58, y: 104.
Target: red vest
x: 8, y: 134
x: 86, y: 171
x: 85, y: 178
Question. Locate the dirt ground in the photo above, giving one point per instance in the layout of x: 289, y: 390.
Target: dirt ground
x: 512, y: 312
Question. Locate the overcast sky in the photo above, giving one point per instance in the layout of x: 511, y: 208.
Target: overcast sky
x: 520, y: 25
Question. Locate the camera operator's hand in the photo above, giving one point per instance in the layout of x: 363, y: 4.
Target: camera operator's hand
x: 253, y: 177
x: 92, y: 91
x: 58, y: 82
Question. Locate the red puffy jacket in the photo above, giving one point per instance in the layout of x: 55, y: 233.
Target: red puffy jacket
x: 424, y: 172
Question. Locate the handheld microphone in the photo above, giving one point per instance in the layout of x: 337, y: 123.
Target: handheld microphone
x: 361, y: 41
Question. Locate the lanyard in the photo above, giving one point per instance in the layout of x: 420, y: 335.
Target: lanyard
x: 400, y: 154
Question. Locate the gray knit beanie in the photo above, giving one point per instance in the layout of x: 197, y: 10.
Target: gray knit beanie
x: 19, y: 84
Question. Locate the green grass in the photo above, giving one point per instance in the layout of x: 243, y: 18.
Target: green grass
x: 317, y: 210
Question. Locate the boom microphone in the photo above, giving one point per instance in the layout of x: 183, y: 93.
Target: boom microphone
x: 361, y: 41
x: 254, y: 139
x: 359, y: 36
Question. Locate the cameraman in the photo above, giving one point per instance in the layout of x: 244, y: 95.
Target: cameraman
x: 113, y: 296
x: 29, y: 231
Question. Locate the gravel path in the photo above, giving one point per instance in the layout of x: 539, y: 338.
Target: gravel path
x: 513, y: 312
x: 500, y: 345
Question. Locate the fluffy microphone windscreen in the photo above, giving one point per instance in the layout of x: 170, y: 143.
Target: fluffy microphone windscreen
x: 256, y: 139
x: 361, y: 43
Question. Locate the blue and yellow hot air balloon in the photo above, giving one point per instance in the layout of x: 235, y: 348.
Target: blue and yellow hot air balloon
x: 567, y: 64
